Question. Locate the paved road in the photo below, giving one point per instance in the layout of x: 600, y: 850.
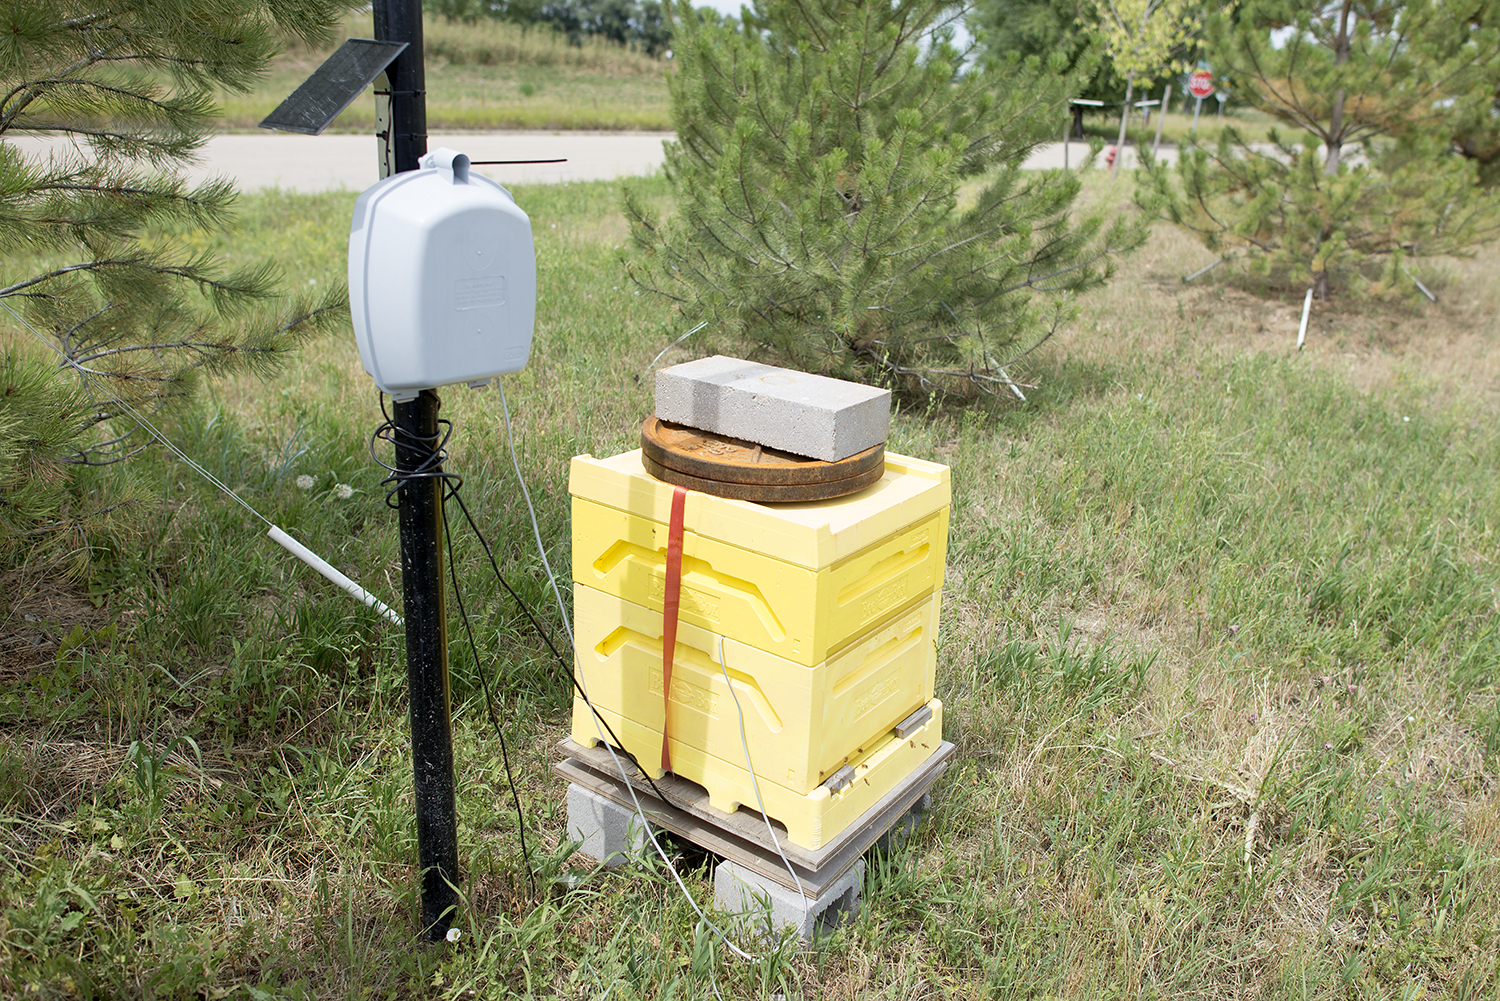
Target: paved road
x: 331, y: 162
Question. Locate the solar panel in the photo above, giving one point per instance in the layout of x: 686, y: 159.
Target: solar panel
x: 333, y: 86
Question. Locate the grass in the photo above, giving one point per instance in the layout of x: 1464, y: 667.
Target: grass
x: 489, y: 75
x: 1178, y: 128
x: 1219, y: 655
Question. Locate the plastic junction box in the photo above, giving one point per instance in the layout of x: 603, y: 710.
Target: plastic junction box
x: 442, y: 278
x: 827, y: 614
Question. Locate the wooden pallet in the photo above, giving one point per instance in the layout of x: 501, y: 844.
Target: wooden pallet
x: 741, y: 836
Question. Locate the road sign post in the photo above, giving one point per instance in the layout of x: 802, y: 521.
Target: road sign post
x: 1166, y: 102
x: 1200, y: 85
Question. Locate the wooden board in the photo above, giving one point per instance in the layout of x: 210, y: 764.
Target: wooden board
x: 741, y: 836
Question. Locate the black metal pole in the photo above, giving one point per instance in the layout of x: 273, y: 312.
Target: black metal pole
x: 421, y: 518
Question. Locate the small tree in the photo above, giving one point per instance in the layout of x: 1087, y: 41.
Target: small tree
x: 98, y: 236
x: 1143, y: 39
x: 1476, y: 124
x: 817, y: 171
x: 1047, y: 29
x: 1384, y: 79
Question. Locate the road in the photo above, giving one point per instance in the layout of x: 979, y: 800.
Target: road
x: 333, y: 162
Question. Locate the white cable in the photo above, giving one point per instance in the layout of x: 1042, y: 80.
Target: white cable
x: 583, y: 686
x: 679, y: 340
x: 535, y: 530
x: 288, y: 543
x: 755, y: 782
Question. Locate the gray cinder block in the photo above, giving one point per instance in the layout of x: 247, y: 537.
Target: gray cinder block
x: 775, y: 907
x: 795, y: 412
x: 901, y: 831
x: 609, y: 832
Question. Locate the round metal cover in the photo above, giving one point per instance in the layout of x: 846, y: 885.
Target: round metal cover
x: 709, y: 456
x: 765, y: 493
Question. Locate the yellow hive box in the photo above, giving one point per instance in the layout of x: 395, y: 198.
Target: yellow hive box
x: 802, y: 723
x: 811, y: 820
x: 801, y: 581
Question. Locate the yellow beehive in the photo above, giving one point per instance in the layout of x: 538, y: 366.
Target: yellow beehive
x: 801, y: 723
x: 801, y: 581
x: 825, y: 613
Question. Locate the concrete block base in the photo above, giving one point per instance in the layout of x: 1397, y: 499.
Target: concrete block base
x: 609, y: 832
x: 772, y: 907
x: 612, y: 833
x: 901, y: 830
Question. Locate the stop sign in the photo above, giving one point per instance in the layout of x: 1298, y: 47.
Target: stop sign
x: 1201, y: 84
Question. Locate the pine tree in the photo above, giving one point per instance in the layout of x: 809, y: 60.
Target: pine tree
x: 130, y: 83
x: 1476, y: 124
x: 1047, y: 28
x: 1374, y: 178
x: 817, y: 170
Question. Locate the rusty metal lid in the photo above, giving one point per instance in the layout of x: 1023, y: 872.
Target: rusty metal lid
x: 743, y: 470
x: 764, y: 493
x: 710, y: 456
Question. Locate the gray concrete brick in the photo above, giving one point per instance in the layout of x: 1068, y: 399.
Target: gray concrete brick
x: 771, y: 907
x: 796, y: 412
x: 609, y: 832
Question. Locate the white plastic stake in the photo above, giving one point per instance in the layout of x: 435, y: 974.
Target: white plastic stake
x: 1420, y: 286
x: 1202, y: 271
x: 315, y: 561
x: 1013, y: 387
x: 1302, y: 330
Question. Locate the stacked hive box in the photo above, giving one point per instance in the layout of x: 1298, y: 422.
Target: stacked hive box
x: 824, y: 616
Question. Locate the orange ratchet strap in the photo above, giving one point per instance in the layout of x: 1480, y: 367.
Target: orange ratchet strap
x: 671, y: 604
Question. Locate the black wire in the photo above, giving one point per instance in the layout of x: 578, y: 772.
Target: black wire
x: 489, y: 704
x: 548, y: 640
x: 432, y: 468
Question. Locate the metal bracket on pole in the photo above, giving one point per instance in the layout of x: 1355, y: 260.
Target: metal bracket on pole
x: 385, y: 150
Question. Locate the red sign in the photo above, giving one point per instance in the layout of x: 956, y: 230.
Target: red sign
x: 1201, y: 84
